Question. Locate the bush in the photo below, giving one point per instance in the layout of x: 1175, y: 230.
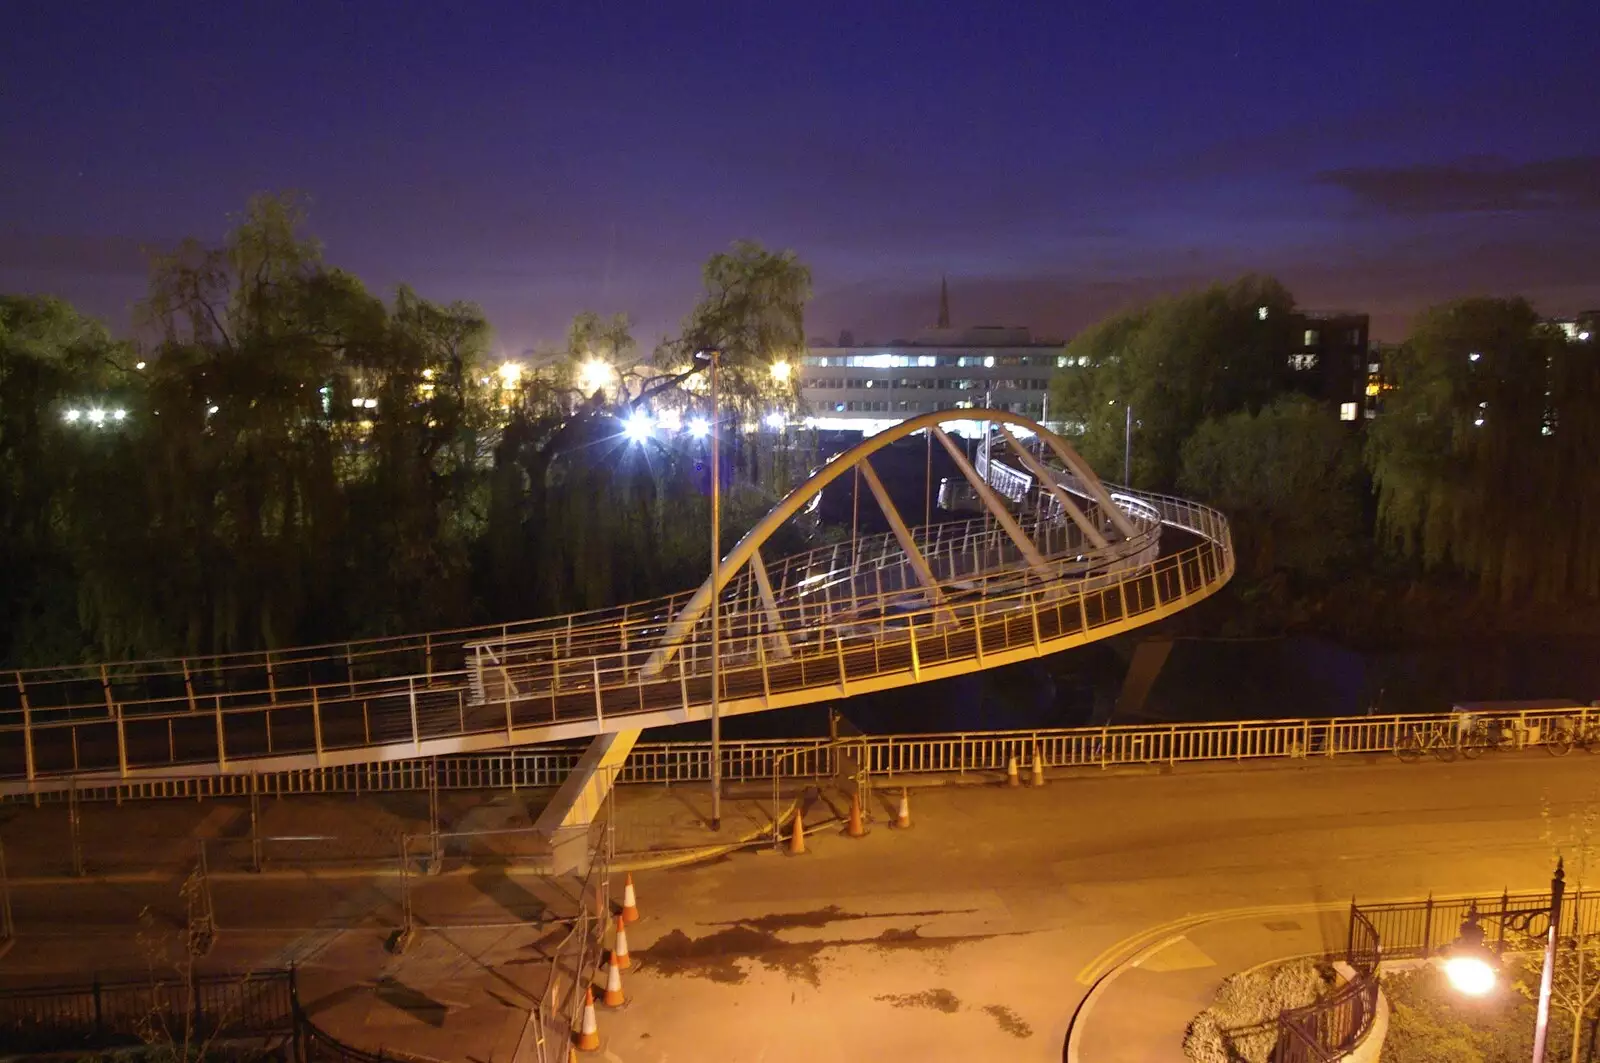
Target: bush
x: 1239, y: 1024
x: 1431, y: 1023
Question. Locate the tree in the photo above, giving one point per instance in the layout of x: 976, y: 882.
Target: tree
x: 1177, y: 361
x: 1484, y: 458
x: 1288, y: 478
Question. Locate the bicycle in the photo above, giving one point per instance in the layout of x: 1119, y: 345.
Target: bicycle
x: 1492, y: 733
x: 1570, y: 733
x: 1427, y: 738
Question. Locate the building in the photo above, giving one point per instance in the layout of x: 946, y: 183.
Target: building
x: 868, y: 387
x: 1331, y: 361
x: 1580, y: 328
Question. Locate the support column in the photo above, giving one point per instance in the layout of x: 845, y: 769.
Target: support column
x: 566, y: 819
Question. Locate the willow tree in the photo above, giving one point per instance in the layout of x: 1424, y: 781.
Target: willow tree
x: 1483, y: 458
x: 1176, y: 362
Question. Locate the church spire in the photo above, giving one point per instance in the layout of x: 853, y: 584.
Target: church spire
x: 944, y: 303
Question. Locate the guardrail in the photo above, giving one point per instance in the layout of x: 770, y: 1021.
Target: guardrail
x: 887, y: 756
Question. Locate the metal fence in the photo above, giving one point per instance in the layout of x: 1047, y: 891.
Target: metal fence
x: 886, y: 756
x: 1324, y: 1031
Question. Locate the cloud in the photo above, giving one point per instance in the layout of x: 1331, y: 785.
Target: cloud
x: 1474, y: 186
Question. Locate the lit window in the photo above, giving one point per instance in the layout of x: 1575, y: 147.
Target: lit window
x: 1261, y: 313
x: 1347, y: 411
x: 1311, y: 338
x: 1474, y: 356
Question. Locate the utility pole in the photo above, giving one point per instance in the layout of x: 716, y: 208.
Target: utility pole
x: 1127, y: 446
x: 716, y: 604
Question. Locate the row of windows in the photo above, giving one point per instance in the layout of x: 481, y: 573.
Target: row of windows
x: 1314, y: 337
x: 930, y: 361
x: 884, y: 406
x: 940, y: 384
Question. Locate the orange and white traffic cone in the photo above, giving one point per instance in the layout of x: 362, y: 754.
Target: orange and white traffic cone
x: 613, y: 997
x: 855, y: 829
x: 630, y: 905
x: 903, y: 820
x: 1038, y: 768
x: 797, y: 840
x: 589, y: 1033
x: 1013, y: 779
x: 619, y: 951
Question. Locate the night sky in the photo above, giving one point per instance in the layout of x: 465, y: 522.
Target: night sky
x: 544, y: 158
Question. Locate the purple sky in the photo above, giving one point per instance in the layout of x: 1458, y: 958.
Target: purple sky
x: 544, y: 158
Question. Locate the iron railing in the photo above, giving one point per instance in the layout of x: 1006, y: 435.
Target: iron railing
x: 840, y: 619
x: 888, y: 756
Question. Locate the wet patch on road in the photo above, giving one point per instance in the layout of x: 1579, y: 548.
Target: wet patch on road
x: 821, y: 917
x: 932, y: 999
x: 717, y: 956
x: 1009, y: 1020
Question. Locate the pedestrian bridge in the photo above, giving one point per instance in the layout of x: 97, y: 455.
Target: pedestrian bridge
x: 1056, y: 559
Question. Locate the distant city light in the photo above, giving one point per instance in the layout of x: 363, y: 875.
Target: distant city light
x: 1583, y: 336
x: 1261, y: 313
x: 356, y: 403
x: 138, y: 365
x: 212, y: 409
x: 776, y: 421
x: 1474, y: 356
x: 71, y: 416
x: 427, y: 374
x: 699, y: 427
x: 670, y: 420
x: 119, y: 415
x: 97, y: 416
x: 637, y: 427
x: 369, y: 404
x: 780, y: 371
x: 510, y: 374
x: 594, y: 375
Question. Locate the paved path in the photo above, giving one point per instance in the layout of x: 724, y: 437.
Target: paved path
x: 975, y: 935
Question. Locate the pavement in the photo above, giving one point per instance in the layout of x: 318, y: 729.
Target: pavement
x: 977, y: 934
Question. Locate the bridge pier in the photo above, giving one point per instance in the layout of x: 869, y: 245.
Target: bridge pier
x: 567, y: 819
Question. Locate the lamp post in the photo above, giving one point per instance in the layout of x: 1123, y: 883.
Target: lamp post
x: 716, y: 603
x: 1470, y: 967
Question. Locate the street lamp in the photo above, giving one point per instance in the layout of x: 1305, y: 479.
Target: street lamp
x: 714, y: 357
x: 594, y: 375
x: 1470, y: 969
x: 637, y: 426
x: 781, y: 371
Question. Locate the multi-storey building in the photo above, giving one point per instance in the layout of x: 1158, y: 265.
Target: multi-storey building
x: 1332, y: 361
x: 867, y: 387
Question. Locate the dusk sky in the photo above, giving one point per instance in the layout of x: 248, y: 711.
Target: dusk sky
x: 1054, y: 160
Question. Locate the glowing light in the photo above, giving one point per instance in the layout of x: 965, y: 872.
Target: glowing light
x: 369, y: 404
x: 1261, y: 313
x: 1474, y: 356
x: 97, y: 416
x: 1583, y: 336
x: 637, y: 427
x: 427, y: 374
x: 699, y: 427
x: 356, y: 403
x: 138, y: 365
x: 119, y: 415
x: 776, y: 421
x: 71, y: 416
x: 594, y: 375
x: 780, y: 371
x: 510, y: 374
x: 670, y: 420
x: 212, y: 409
x: 1471, y: 975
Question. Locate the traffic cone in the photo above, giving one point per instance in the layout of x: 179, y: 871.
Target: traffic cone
x: 630, y: 905
x: 619, y: 951
x: 903, y: 820
x: 855, y: 828
x: 1012, y: 778
x: 589, y: 1034
x: 1038, y: 768
x: 797, y: 840
x: 613, y: 997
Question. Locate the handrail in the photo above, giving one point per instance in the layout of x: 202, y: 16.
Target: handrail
x: 837, y: 617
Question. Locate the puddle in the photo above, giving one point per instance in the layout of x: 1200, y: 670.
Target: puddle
x: 821, y: 917
x: 932, y: 999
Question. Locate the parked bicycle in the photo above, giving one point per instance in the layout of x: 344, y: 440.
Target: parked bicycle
x: 1571, y: 733
x: 1436, y: 738
x: 1498, y: 733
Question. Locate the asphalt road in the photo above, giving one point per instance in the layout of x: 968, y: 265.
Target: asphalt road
x: 972, y: 936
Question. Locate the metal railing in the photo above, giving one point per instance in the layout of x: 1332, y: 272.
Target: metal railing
x: 1327, y: 1029
x: 592, y: 672
x: 886, y: 755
